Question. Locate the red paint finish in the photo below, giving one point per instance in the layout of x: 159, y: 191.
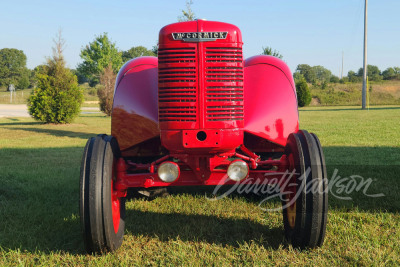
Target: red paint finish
x: 186, y: 179
x: 115, y: 207
x: 197, y: 104
x: 135, y: 108
x: 200, y: 25
x: 201, y: 87
x: 218, y: 140
x: 270, y: 99
x: 190, y: 178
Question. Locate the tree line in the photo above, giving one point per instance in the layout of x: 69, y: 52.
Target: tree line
x: 96, y: 56
x: 320, y: 75
x: 101, y: 61
x: 57, y: 98
x: 101, y: 52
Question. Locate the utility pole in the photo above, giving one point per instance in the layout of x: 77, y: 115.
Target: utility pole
x: 364, y: 88
x: 341, y: 75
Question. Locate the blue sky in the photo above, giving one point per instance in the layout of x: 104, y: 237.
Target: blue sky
x: 313, y: 32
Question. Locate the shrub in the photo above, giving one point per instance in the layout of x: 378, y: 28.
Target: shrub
x: 57, y: 97
x: 324, y: 85
x: 334, y: 79
x: 92, y: 91
x: 106, y: 92
x: 303, y: 93
x: 52, y: 102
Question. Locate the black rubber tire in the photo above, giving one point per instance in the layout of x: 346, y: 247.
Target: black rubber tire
x: 96, y: 215
x: 325, y: 188
x: 311, y: 201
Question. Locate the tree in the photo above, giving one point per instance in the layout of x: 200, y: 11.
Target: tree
x: 314, y: 74
x: 373, y: 73
x: 40, y: 69
x: 96, y: 56
x: 334, y: 79
x: 321, y: 74
x: 303, y: 93
x: 268, y: 51
x: 12, y: 67
x: 297, y: 76
x: 136, y: 51
x: 106, y: 92
x: 188, y: 14
x: 345, y: 79
x: 154, y: 49
x: 391, y: 73
x: 23, y: 82
x: 81, y: 78
x: 353, y: 77
x: 57, y: 97
x: 307, y: 72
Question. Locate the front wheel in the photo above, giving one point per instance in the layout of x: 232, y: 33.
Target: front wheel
x: 102, y: 212
x: 305, y: 204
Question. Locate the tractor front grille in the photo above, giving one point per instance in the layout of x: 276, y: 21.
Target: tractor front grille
x: 177, y: 80
x: 220, y: 98
x: 224, y: 84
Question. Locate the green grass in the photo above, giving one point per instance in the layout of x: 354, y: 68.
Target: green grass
x: 18, y: 97
x: 39, y: 192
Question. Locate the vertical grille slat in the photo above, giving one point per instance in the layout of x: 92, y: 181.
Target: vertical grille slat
x: 178, y: 84
x: 224, y: 84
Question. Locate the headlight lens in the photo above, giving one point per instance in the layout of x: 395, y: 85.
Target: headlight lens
x: 168, y: 172
x: 238, y: 170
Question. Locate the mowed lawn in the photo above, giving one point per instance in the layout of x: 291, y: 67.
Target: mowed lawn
x: 39, y: 193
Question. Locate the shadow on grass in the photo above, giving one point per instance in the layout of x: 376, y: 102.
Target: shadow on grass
x: 59, y: 133
x: 39, y: 195
x: 93, y: 115
x: 360, y: 179
x: 39, y: 198
x: 346, y: 109
x: 201, y: 228
x: 17, y: 123
x: 364, y: 178
x: 39, y: 208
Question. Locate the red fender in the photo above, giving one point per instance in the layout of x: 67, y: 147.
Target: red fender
x: 270, y: 99
x: 135, y: 109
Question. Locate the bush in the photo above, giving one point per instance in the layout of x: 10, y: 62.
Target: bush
x: 52, y: 103
x: 334, y: 79
x: 57, y: 97
x: 303, y: 93
x: 324, y: 85
x: 106, y: 91
x: 92, y: 91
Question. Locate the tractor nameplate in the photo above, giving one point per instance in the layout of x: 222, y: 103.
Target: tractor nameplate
x: 199, y: 36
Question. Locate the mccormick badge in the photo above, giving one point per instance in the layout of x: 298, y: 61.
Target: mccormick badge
x: 199, y: 36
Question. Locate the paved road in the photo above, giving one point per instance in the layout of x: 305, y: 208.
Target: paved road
x: 22, y: 111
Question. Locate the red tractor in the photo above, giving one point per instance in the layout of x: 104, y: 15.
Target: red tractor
x: 199, y: 114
